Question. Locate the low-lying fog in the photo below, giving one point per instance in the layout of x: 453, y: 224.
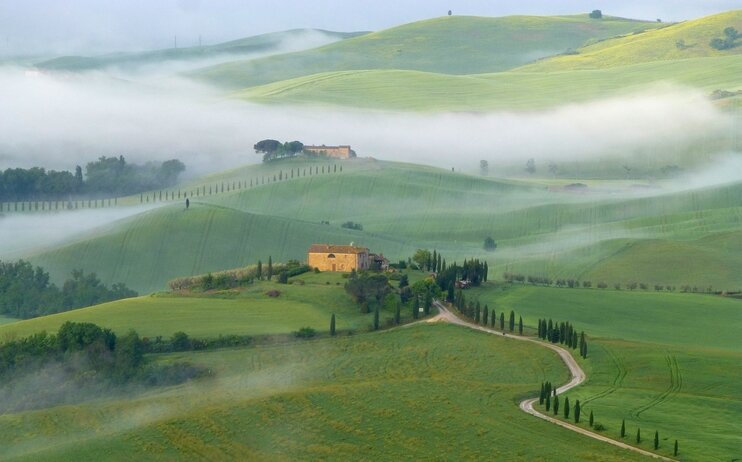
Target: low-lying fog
x: 58, y: 122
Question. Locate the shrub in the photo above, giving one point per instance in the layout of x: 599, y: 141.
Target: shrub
x: 273, y: 293
x: 305, y: 332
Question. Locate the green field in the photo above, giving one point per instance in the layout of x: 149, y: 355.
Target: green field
x: 391, y: 395
x: 599, y: 236
x: 247, y: 311
x: 449, y: 45
x: 6, y: 320
x: 424, y: 91
x: 665, y: 362
x: 652, y: 45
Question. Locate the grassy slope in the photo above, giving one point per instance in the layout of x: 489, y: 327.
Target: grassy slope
x: 450, y: 45
x: 414, y: 90
x: 655, y: 360
x: 428, y: 392
x: 256, y: 44
x: 653, y: 45
x: 251, y: 312
x: 403, y: 207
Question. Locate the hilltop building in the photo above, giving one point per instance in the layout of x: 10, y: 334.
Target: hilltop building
x: 337, y: 152
x: 338, y: 258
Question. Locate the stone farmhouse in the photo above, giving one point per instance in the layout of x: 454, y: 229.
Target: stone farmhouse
x: 337, y: 152
x: 344, y: 258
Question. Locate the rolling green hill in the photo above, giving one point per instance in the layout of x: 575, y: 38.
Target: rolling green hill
x: 247, y: 311
x: 403, y: 207
x: 386, y: 396
x: 654, y: 360
x: 522, y: 89
x: 449, y: 45
x: 682, y: 41
x: 265, y: 43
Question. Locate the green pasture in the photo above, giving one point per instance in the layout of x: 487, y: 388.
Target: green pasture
x: 449, y: 45
x: 7, y: 320
x: 665, y: 362
x: 391, y: 395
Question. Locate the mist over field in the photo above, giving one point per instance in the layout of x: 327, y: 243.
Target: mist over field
x: 59, y: 121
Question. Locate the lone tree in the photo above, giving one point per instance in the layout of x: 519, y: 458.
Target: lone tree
x: 596, y: 14
x: 531, y: 166
x: 450, y: 12
x: 656, y: 440
x: 259, y: 271
x: 484, y: 167
x: 188, y: 203
x: 623, y: 428
x: 489, y: 244
x: 332, y: 324
x: 592, y: 419
x: 638, y: 435
x: 675, y: 450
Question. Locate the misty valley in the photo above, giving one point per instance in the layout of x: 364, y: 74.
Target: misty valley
x: 415, y: 233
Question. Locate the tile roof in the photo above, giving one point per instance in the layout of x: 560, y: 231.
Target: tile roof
x: 331, y: 248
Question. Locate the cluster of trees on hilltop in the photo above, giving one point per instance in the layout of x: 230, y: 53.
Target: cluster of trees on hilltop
x: 728, y: 41
x: 274, y: 149
x: 105, y: 177
x: 26, y: 292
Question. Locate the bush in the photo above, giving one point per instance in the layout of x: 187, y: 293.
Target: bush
x: 273, y: 293
x: 352, y: 225
x: 599, y: 427
x: 305, y: 332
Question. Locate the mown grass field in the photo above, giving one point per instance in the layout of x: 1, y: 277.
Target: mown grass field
x: 247, y: 311
x: 663, y: 362
x: 449, y: 45
x: 426, y: 392
x: 402, y: 207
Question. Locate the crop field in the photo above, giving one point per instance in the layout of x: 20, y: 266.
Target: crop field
x: 663, y: 362
x: 447, y: 45
x: 389, y: 395
x: 249, y: 311
x: 403, y: 207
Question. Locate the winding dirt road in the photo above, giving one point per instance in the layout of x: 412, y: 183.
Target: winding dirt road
x: 578, y: 376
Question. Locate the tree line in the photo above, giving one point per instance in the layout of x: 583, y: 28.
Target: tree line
x: 27, y: 292
x: 108, y: 176
x: 87, y: 360
x: 563, y: 333
x: 240, y: 277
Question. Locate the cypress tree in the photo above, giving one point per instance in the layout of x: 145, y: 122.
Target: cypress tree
x: 440, y: 267
x: 548, y: 402
x: 566, y: 408
x: 577, y: 412
x: 541, y: 394
x: 520, y: 325
x: 623, y: 428
x: 397, y: 314
x: 638, y: 435
x: 269, y: 273
x: 493, y: 318
x: 415, y: 306
x: 511, y: 321
x: 656, y: 440
x: 556, y: 405
x: 502, y: 321
x: 675, y: 450
x: 486, y: 270
x: 592, y: 420
x: 376, y: 318
x: 332, y: 324
x: 477, y: 314
x: 259, y: 271
x: 434, y: 262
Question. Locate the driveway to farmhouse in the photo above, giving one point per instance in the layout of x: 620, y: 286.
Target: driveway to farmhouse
x: 578, y: 376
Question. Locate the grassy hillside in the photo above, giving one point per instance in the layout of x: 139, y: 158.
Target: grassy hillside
x: 264, y: 43
x: 611, y: 237
x: 686, y: 40
x: 449, y: 45
x: 387, y: 396
x: 654, y: 360
x: 422, y: 91
x: 246, y: 312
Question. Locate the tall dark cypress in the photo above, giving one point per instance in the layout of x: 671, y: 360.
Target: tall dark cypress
x: 548, y: 402
x: 511, y: 321
x: 502, y: 320
x: 577, y: 411
x: 675, y: 450
x: 541, y: 394
x: 592, y: 419
x: 269, y: 273
x: 638, y: 435
x: 556, y: 405
x: 656, y: 440
x: 485, y: 316
x: 623, y: 428
x: 332, y: 324
x: 566, y: 407
x: 520, y: 325
x: 493, y: 318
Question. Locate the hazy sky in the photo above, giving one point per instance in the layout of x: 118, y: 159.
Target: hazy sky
x: 87, y: 26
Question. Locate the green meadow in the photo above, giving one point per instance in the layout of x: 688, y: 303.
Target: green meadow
x: 660, y: 361
x: 391, y: 395
x: 449, y: 45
